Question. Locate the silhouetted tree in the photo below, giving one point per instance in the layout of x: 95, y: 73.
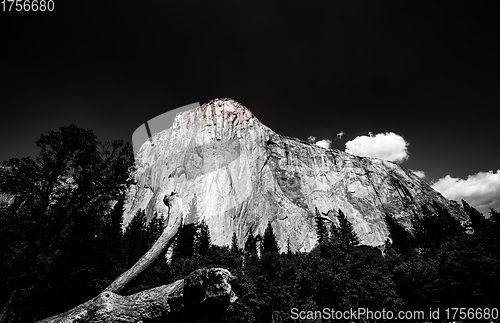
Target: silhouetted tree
x: 135, y: 238
x: 116, y: 217
x: 320, y: 228
x: 402, y: 240
x: 63, y: 196
x: 334, y: 233
x: 495, y: 216
x: 114, y: 235
x: 288, y: 248
x: 186, y: 240
x: 234, y: 243
x: 202, y: 238
x: 439, y: 223
x: 477, y: 218
x: 184, y: 245
x: 251, y: 246
x: 154, y: 229
x: 420, y: 235
x: 270, y: 244
x: 259, y: 246
x: 346, y: 231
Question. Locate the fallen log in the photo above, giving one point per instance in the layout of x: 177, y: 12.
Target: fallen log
x: 208, y: 289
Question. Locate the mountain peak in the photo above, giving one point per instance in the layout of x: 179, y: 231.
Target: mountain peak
x: 221, y: 107
x: 227, y: 105
x: 215, y: 120
x: 241, y: 175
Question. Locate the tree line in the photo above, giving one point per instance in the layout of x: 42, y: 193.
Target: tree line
x: 61, y: 243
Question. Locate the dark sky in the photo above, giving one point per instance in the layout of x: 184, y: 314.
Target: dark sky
x: 427, y: 71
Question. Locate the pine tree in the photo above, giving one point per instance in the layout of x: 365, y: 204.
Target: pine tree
x: 346, y: 231
x: 186, y: 240
x: 259, y: 246
x: 477, y: 218
x: 334, y: 233
x: 234, y: 243
x: 428, y: 228
x: 114, y: 234
x: 202, y: 238
x: 155, y: 229
x: 494, y: 216
x: 451, y: 225
x: 184, y: 244
x: 135, y: 238
x: 420, y: 235
x: 402, y: 240
x: 439, y: 224
x: 66, y: 235
x: 321, y: 229
x: 116, y: 217
x: 269, y: 244
x: 251, y: 246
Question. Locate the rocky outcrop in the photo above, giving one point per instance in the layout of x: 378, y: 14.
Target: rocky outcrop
x: 239, y: 174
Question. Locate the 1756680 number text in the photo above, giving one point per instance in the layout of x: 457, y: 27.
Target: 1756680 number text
x: 27, y: 5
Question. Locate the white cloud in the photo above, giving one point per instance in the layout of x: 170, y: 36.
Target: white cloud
x: 340, y: 134
x: 325, y: 143
x: 481, y: 190
x: 388, y: 146
x: 419, y: 173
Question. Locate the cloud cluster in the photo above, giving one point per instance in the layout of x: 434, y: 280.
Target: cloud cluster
x: 325, y: 143
x: 388, y: 146
x: 481, y: 190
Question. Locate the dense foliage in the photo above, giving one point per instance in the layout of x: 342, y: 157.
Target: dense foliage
x: 61, y: 234
x: 61, y: 243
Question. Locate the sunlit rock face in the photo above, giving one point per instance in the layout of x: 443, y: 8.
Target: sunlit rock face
x: 240, y: 174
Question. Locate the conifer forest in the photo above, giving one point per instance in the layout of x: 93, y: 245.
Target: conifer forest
x: 62, y: 242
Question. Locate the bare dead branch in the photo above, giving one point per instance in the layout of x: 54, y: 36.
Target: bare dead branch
x: 203, y: 287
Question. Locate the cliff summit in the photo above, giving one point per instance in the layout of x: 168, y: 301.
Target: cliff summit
x: 239, y: 174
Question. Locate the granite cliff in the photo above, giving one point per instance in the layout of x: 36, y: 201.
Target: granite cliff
x: 240, y: 174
